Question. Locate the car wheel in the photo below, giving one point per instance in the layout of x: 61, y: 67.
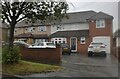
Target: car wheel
x: 90, y: 54
x: 69, y: 53
x: 104, y: 54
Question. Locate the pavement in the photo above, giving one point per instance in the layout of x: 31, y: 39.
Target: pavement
x: 77, y: 65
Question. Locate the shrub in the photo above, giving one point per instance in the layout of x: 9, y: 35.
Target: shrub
x: 10, y: 55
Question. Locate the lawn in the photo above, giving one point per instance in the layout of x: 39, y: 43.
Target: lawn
x: 25, y: 67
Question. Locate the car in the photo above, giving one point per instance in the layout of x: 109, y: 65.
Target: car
x: 43, y: 45
x: 97, y: 48
x: 18, y: 43
x: 65, y: 49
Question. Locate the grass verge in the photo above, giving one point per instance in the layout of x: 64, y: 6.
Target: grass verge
x: 25, y: 67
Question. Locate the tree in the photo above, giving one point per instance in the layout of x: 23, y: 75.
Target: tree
x: 14, y: 12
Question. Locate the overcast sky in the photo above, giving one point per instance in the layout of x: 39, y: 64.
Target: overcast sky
x: 108, y: 7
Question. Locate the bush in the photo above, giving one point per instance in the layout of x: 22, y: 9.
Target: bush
x: 10, y: 55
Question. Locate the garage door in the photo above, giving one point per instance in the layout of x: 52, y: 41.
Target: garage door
x: 103, y: 39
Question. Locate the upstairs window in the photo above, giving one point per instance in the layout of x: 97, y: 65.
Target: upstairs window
x: 42, y: 28
x: 30, y: 29
x: 100, y: 23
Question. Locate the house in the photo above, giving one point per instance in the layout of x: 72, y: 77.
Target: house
x: 82, y: 28
x: 78, y: 31
x: 4, y: 32
x: 32, y: 33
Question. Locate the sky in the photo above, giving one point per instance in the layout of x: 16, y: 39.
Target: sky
x: 106, y: 6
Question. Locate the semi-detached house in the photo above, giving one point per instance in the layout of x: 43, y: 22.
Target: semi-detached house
x: 78, y: 31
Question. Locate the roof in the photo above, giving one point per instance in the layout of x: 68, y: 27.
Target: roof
x: 24, y: 35
x: 71, y: 33
x: 75, y: 17
x: 30, y: 35
x: 40, y: 36
x: 101, y: 15
x: 24, y: 24
x: 117, y: 33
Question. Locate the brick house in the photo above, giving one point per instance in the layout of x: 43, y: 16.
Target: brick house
x: 82, y: 28
x: 31, y: 33
x: 78, y: 31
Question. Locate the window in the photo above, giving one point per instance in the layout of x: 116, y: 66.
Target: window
x: 55, y: 42
x: 42, y: 28
x: 63, y: 41
x: 40, y: 40
x: 100, y: 23
x: 30, y: 29
x: 82, y: 40
x: 59, y: 40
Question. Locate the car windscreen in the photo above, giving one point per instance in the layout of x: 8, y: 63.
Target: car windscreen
x: 50, y: 44
x: 96, y: 43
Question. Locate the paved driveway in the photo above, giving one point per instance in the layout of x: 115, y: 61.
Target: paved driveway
x: 81, y: 66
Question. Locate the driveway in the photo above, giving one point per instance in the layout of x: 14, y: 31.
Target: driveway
x: 81, y: 66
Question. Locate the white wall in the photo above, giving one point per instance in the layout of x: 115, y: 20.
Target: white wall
x: 76, y: 26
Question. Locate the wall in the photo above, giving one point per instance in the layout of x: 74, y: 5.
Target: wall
x: 75, y: 26
x: 4, y: 34
x: 107, y: 31
x: 23, y: 30
x: 81, y: 48
x: 44, y: 55
x: 19, y: 31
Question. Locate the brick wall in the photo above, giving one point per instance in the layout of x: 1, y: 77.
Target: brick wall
x: 82, y: 48
x: 45, y: 55
x: 107, y: 31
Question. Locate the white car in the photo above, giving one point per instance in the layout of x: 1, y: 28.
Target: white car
x: 97, y: 48
x: 43, y: 45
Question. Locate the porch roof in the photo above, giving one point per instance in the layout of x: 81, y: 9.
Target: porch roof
x: 30, y: 35
x: 71, y: 33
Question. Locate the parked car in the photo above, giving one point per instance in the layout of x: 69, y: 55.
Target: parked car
x: 97, y: 48
x: 66, y: 49
x: 43, y: 45
x: 18, y: 43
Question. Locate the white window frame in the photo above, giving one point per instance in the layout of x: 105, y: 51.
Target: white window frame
x: 59, y: 39
x: 100, y: 23
x: 42, y: 27
x: 82, y: 39
x: 30, y: 29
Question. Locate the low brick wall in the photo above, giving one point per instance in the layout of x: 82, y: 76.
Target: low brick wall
x: 45, y: 55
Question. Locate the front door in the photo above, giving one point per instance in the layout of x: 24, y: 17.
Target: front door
x: 73, y: 44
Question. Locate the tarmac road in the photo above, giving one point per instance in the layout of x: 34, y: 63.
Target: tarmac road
x: 77, y: 65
